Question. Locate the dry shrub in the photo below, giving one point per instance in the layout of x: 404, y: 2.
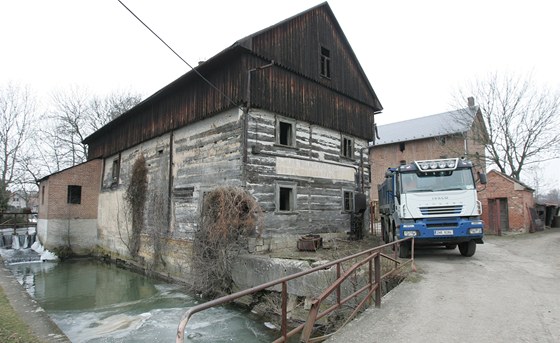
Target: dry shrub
x: 230, y: 216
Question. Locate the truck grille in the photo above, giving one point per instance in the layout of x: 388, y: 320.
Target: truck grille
x: 439, y: 210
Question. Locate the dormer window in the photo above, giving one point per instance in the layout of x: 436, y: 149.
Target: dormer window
x: 325, y: 62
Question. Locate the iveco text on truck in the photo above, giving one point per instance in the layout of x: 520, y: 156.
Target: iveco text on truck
x: 434, y: 201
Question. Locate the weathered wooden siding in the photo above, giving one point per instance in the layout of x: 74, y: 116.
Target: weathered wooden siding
x: 281, y: 91
x: 275, y: 89
x: 187, y: 100
x: 296, y: 45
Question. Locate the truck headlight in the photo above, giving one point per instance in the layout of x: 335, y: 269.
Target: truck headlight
x: 476, y: 222
x: 475, y: 231
x: 407, y: 226
x: 410, y: 233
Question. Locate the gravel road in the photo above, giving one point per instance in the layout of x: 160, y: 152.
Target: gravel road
x: 509, y: 291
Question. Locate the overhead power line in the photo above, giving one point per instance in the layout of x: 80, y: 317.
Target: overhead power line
x: 181, y: 58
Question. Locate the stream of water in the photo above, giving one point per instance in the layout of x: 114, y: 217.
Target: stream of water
x: 96, y: 302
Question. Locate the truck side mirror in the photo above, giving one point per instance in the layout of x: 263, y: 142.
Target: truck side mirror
x: 388, y: 174
x: 482, y: 178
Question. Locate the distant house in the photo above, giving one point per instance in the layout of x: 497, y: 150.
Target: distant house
x: 458, y: 133
x: 288, y: 117
x: 17, y: 200
x: 23, y: 200
x: 508, y: 205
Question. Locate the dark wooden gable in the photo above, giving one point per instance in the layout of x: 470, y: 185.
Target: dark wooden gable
x: 293, y: 86
x: 296, y: 44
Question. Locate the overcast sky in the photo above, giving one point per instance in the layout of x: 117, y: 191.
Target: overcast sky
x: 415, y: 53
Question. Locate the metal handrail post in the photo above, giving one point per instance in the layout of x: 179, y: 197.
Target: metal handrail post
x: 284, y: 311
x: 377, y: 262
x: 338, y: 287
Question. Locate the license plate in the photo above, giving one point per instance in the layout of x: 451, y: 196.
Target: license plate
x: 443, y: 232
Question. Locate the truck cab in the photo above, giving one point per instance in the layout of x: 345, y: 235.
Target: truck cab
x: 434, y: 201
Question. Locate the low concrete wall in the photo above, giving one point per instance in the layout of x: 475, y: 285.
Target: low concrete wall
x: 81, y: 234
x: 253, y: 270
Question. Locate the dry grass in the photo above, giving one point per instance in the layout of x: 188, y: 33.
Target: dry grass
x: 12, y: 328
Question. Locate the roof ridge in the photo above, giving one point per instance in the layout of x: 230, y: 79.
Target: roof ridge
x: 432, y: 115
x: 434, y: 125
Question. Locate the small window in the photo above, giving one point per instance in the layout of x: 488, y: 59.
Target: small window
x: 43, y: 195
x: 347, y: 149
x: 285, y: 203
x: 74, y: 194
x: 285, y: 132
x: 401, y: 146
x: 348, y: 201
x: 286, y: 197
x: 115, y: 172
x: 325, y: 62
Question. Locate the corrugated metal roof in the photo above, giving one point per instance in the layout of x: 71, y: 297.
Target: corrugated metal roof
x: 435, y: 125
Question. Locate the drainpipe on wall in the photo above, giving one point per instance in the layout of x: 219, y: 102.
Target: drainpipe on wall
x: 170, y: 187
x: 245, y: 124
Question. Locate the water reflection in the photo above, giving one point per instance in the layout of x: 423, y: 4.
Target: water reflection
x: 95, y: 302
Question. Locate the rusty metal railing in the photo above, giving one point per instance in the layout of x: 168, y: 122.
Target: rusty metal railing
x: 372, y: 257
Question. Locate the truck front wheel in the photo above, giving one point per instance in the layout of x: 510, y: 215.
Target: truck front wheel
x: 467, y: 249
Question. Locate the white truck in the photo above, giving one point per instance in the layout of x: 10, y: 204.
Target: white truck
x: 434, y: 201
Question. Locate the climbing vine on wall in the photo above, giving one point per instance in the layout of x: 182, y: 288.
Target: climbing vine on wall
x: 229, y: 216
x: 135, y: 197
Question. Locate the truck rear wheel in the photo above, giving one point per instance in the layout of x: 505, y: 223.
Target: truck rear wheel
x: 467, y: 249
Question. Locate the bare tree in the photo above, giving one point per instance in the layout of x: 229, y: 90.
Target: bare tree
x: 553, y: 196
x: 17, y: 109
x: 70, y: 114
x: 76, y: 115
x: 105, y: 109
x: 522, y: 121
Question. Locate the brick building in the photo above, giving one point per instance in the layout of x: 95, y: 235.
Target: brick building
x: 68, y: 202
x: 458, y: 133
x: 506, y: 204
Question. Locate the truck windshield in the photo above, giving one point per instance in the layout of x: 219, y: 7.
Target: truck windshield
x: 459, y: 179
